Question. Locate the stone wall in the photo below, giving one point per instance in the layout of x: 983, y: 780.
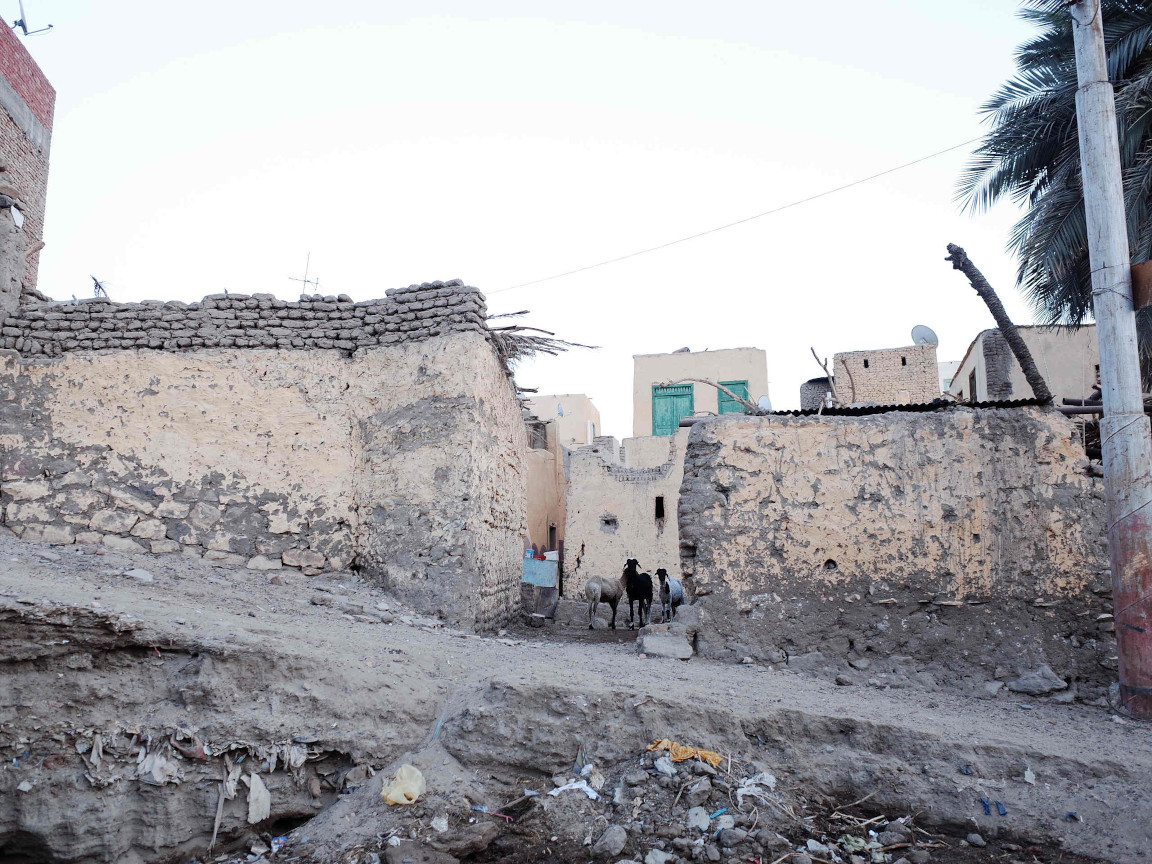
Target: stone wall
x: 399, y: 451
x: 26, y: 107
x: 968, y: 540
x: 611, y: 507
x: 813, y: 393
x: 892, y: 376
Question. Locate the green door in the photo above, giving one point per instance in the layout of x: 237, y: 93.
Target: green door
x: 669, y: 404
x: 728, y: 405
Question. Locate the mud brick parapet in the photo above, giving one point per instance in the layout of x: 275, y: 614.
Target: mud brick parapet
x: 240, y: 321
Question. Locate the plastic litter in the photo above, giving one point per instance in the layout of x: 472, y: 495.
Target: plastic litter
x: 440, y: 824
x: 757, y: 787
x: 682, y: 753
x: 719, y: 812
x: 1001, y: 809
x: 278, y: 843
x: 987, y: 805
x: 965, y: 769
x: 582, y: 785
x: 479, y: 808
x: 594, y: 777
x: 578, y: 765
x: 259, y: 799
x: 405, y: 787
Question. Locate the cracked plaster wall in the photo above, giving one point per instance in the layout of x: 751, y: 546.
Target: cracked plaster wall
x: 405, y: 461
x: 964, y: 536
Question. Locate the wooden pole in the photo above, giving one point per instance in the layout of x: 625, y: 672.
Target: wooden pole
x: 1125, y: 436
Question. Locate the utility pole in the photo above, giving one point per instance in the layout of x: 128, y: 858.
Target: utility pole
x: 1125, y: 437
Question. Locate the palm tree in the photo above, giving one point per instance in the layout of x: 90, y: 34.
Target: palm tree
x: 1032, y: 156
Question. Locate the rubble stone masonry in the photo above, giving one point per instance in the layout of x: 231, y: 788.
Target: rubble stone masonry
x: 322, y: 435
x: 969, y: 540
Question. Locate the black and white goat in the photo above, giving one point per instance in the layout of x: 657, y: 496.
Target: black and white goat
x: 671, y: 594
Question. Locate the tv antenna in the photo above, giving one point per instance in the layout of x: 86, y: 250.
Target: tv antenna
x: 98, y: 289
x: 306, y: 281
x: 23, y: 25
x: 922, y: 335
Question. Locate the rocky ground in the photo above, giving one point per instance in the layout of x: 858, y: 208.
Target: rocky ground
x: 153, y: 701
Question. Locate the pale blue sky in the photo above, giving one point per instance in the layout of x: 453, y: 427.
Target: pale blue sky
x: 500, y: 142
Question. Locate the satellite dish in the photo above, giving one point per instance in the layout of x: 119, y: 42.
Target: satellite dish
x: 764, y: 403
x: 559, y: 409
x: 922, y: 335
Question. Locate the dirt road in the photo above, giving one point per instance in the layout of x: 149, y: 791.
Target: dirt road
x: 186, y: 652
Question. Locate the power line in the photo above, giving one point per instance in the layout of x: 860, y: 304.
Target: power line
x: 738, y: 221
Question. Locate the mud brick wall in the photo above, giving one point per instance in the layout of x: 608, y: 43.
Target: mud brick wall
x: 611, y: 507
x: 27, y: 101
x: 893, y: 376
x: 965, y: 539
x: 382, y: 436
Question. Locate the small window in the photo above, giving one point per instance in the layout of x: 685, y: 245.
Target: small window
x: 865, y: 364
x: 659, y: 507
x: 972, y: 386
x: 903, y: 361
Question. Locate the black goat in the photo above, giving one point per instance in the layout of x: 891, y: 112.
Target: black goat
x: 639, y: 588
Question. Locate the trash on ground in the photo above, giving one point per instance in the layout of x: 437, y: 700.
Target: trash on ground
x: 682, y: 753
x: 259, y: 799
x: 582, y: 785
x: 405, y: 787
x: 757, y: 787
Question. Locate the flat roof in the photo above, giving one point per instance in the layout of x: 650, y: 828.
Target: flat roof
x: 691, y: 353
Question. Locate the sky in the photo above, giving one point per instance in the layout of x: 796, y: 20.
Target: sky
x: 203, y: 147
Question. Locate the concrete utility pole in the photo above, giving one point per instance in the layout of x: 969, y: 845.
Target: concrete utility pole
x: 1125, y: 437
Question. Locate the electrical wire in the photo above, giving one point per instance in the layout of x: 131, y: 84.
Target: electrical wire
x: 779, y: 209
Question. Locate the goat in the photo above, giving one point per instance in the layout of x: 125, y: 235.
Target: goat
x: 671, y: 594
x: 639, y: 587
x: 598, y: 590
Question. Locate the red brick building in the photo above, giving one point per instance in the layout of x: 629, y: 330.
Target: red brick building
x: 27, y: 100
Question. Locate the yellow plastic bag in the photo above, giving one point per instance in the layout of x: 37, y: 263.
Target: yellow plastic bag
x: 679, y: 752
x: 405, y: 787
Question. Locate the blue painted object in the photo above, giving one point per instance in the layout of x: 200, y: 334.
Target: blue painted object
x: 544, y: 574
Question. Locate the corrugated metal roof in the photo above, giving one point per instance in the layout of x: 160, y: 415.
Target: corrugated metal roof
x: 937, y: 405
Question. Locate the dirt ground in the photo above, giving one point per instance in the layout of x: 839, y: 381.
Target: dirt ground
x: 241, y: 663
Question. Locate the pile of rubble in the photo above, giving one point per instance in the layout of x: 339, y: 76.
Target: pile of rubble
x: 671, y: 804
